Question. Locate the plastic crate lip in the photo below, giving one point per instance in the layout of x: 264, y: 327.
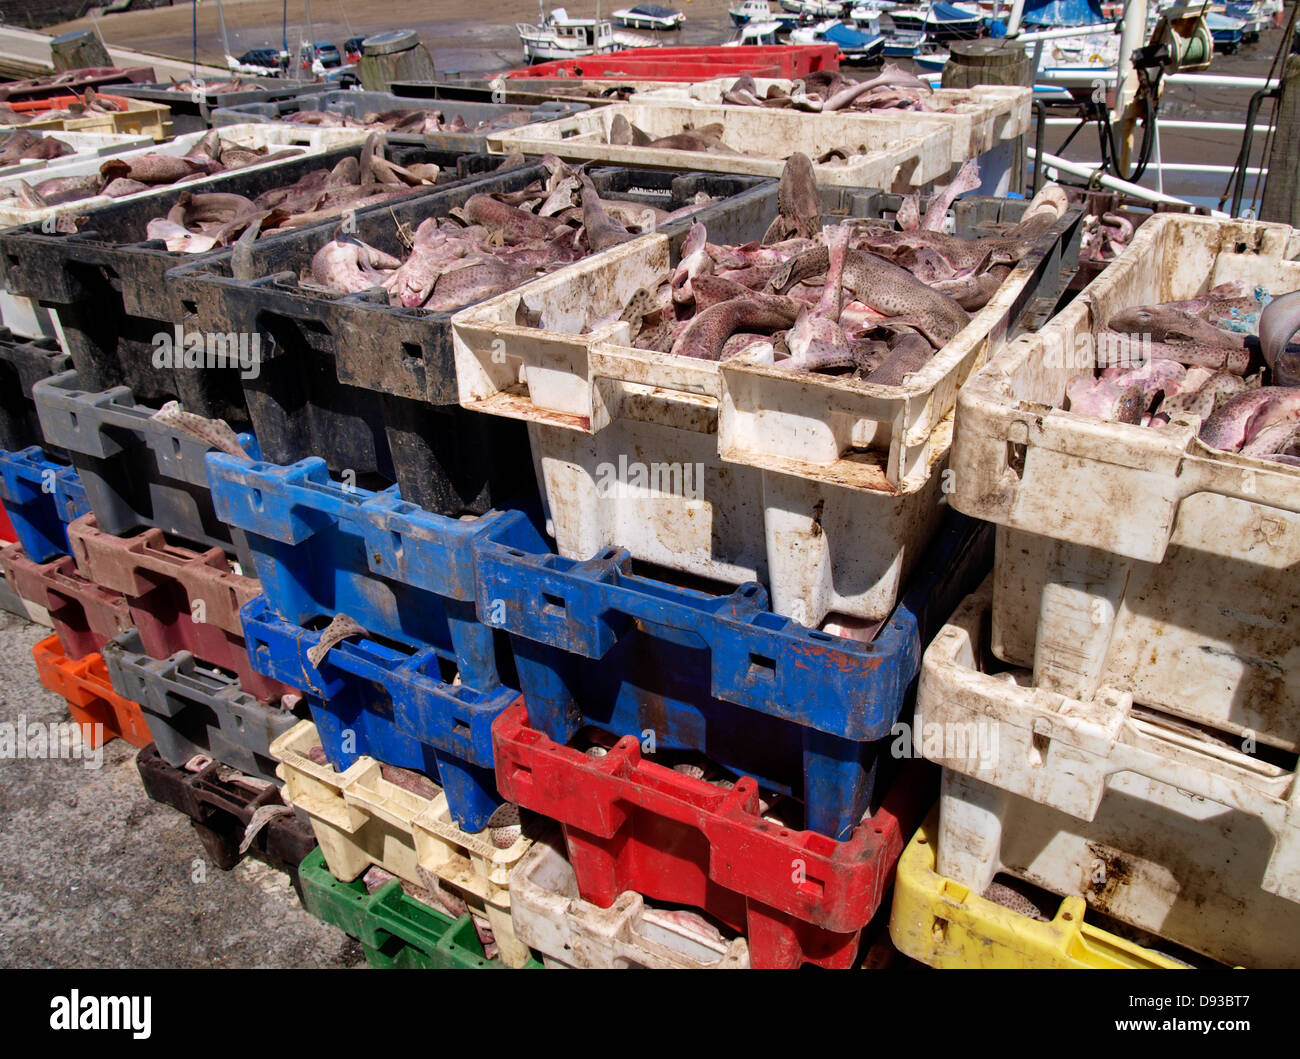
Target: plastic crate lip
x: 362, y: 785
x: 406, y: 678
x: 848, y: 869
x: 205, y: 575
x: 58, y: 580
x: 1104, y: 733
x: 1068, y: 939
x: 116, y: 407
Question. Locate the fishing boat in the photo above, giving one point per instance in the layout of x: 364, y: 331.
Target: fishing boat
x: 942, y: 21
x: 856, y: 45
x: 750, y: 11
x: 904, y: 43
x: 649, y: 16
x: 557, y: 36
x: 755, y: 33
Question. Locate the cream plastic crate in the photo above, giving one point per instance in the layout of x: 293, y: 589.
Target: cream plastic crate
x: 1174, y: 864
x: 900, y: 154
x: 823, y: 488
x: 1132, y: 557
x: 1064, y: 753
x: 361, y: 819
x: 140, y: 118
x: 550, y: 917
x: 84, y: 145
x: 311, y: 141
x: 981, y: 117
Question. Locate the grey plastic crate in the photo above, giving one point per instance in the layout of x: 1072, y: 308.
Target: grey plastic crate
x: 192, y: 111
x: 136, y: 471
x: 194, y: 709
x: 357, y: 104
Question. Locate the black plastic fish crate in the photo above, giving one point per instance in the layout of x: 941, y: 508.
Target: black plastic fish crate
x: 371, y: 387
x: 109, y: 286
x: 23, y: 362
x: 221, y: 806
x: 357, y: 104
x: 192, y: 111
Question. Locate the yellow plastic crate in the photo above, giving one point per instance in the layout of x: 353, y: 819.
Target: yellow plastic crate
x: 360, y: 818
x: 945, y: 924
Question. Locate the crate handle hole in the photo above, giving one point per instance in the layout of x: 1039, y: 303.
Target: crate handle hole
x: 553, y: 602
x: 761, y: 666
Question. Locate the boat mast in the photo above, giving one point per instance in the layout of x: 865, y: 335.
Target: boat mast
x: 221, y: 15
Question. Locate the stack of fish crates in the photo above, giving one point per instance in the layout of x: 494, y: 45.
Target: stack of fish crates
x: 1125, y: 679
x: 373, y: 614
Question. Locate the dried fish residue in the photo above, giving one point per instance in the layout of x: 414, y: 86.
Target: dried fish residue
x: 406, y: 121
x: 1224, y: 357
x: 125, y: 176
x: 491, y: 244
x: 825, y: 91
x: 90, y: 102
x: 847, y: 299
x: 202, y: 220
x: 20, y: 146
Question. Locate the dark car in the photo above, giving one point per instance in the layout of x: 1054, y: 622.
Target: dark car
x: 352, y: 49
x: 268, y: 57
x: 328, y: 54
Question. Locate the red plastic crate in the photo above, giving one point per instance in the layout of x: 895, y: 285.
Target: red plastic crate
x: 84, y: 683
x: 630, y: 824
x: 164, y: 585
x: 84, y: 615
x: 697, y: 62
x: 6, y: 527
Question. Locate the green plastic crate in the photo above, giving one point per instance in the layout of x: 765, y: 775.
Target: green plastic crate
x: 394, y: 929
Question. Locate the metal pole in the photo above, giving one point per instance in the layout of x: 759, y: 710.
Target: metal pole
x: 225, y: 41
x: 194, y: 37
x: 1017, y: 13
x: 1133, y: 35
x: 1106, y: 180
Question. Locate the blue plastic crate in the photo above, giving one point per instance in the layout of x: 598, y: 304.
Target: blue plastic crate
x: 802, y: 711
x: 322, y: 548
x: 372, y: 699
x: 42, y: 497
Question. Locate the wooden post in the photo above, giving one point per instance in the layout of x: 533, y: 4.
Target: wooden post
x: 395, y: 56
x: 1282, y: 185
x: 77, y: 50
x: 993, y: 62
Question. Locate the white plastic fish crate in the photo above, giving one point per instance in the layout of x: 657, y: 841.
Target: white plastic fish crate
x: 824, y: 488
x: 311, y: 141
x: 84, y: 145
x: 551, y: 918
x: 900, y: 154
x: 360, y: 818
x: 1174, y: 864
x: 1064, y: 753
x: 981, y: 117
x: 1130, y: 557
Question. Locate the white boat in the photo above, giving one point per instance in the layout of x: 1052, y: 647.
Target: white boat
x: 649, y: 16
x: 558, y: 36
x: 814, y: 8
x: 754, y: 33
x: 750, y: 11
x: 855, y: 44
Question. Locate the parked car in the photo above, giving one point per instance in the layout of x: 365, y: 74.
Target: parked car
x: 265, y: 57
x: 328, y: 54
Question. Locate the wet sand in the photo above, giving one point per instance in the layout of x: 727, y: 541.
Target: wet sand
x: 473, y: 47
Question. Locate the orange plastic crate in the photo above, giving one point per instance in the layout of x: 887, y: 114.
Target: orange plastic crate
x: 90, y: 696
